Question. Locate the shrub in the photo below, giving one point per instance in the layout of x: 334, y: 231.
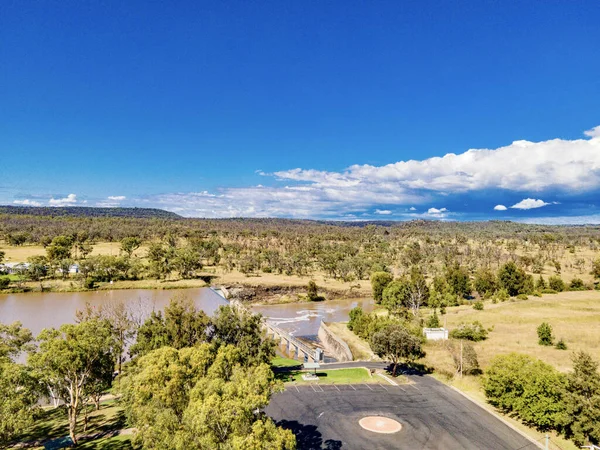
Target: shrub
x: 556, y: 283
x: 470, y: 331
x: 527, y: 387
x: 379, y: 281
x: 90, y: 283
x: 577, y: 285
x: 560, y: 345
x: 544, y: 332
x: 433, y: 321
x: 312, y: 292
x: 522, y: 297
x: 512, y: 278
x: 478, y: 305
x: 537, y: 294
x: 549, y: 291
x: 4, y: 282
x: 502, y: 295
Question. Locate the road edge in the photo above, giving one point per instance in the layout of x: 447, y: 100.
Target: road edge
x: 497, y: 416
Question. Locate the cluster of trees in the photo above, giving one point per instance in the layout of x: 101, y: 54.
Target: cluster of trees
x: 462, y: 254
x: 390, y: 337
x: 192, y: 382
x: 545, y: 398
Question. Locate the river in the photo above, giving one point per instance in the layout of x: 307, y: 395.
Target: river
x: 51, y: 309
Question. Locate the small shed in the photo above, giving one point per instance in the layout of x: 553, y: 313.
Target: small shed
x: 435, y: 334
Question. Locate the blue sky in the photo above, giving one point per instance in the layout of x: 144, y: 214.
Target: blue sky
x: 304, y: 109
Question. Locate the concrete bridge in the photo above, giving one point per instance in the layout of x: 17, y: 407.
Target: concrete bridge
x: 294, y: 346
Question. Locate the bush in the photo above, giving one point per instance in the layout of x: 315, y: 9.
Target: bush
x: 90, y: 283
x: 527, y: 387
x: 502, y: 295
x: 478, y: 305
x: 549, y: 291
x: 544, y: 332
x: 4, y: 282
x: 556, y: 283
x: 577, y: 285
x: 470, y: 331
x: 537, y: 294
x: 433, y: 321
x: 312, y: 292
x: 560, y: 345
x: 522, y: 297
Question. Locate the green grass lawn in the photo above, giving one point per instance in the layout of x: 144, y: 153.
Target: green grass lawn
x: 333, y: 376
x: 112, y: 443
x: 279, y: 361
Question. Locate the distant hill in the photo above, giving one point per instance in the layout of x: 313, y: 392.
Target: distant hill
x: 87, y: 211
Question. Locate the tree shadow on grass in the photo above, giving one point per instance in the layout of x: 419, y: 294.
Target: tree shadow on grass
x: 308, y: 437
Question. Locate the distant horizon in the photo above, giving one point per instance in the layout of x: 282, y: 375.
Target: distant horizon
x: 550, y: 221
x: 342, y: 111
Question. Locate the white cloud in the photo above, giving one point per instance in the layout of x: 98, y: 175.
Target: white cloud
x: 383, y: 212
x: 27, y: 202
x: 70, y: 199
x: 436, y: 211
x: 529, y: 203
x: 412, y: 208
x: 116, y: 198
x: 530, y: 167
x: 594, y: 132
x: 520, y: 166
x: 500, y: 208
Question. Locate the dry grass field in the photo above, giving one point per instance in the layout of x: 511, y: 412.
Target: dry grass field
x: 574, y: 317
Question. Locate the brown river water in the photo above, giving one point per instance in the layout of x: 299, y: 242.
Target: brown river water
x: 51, y: 309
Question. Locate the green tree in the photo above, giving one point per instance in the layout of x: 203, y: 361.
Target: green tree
x: 312, y: 292
x: 71, y: 360
x: 470, y: 331
x: 59, y: 249
x: 544, y: 332
x: 130, y: 244
x: 194, y: 398
x: 181, y: 326
x: 458, y: 280
x: 582, y: 401
x: 527, y: 387
x: 486, y: 283
x: 395, y: 296
x: 556, y: 283
x: 242, y: 329
x: 396, y: 343
x: 541, y: 283
x: 596, y: 268
x: 379, y: 281
x: 512, y: 278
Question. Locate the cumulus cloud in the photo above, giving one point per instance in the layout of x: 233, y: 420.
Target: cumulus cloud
x: 27, y: 202
x: 116, y: 198
x: 523, y: 167
x: 383, y: 212
x: 412, y: 208
x: 594, y: 132
x: 500, y: 208
x: 520, y: 166
x: 69, y: 200
x: 529, y: 203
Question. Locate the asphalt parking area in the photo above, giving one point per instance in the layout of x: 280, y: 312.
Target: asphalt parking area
x: 432, y: 416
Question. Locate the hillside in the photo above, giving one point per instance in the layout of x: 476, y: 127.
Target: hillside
x: 86, y: 211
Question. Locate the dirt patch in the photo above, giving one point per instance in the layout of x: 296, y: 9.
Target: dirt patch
x: 380, y: 424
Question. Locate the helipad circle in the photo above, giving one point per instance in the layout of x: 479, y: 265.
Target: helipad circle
x: 380, y: 424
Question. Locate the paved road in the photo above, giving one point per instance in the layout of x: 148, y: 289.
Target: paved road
x: 433, y: 416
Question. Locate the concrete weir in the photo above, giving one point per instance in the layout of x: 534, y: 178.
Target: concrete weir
x: 294, y: 346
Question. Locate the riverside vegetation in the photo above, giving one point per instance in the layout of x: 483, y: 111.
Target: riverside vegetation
x: 163, y: 252
x: 192, y: 382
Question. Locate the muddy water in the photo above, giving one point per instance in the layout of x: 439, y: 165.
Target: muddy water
x: 43, y: 310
